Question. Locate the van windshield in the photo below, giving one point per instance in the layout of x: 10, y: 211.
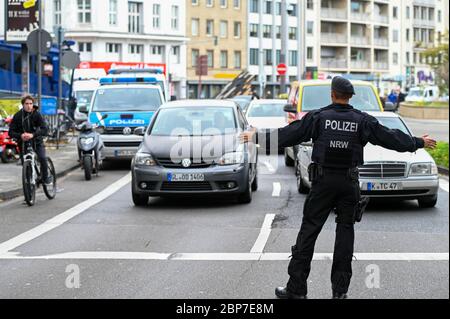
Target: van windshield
x: 127, y: 99
x: 318, y: 96
x: 84, y: 97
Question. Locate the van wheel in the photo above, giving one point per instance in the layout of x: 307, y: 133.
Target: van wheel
x: 428, y: 201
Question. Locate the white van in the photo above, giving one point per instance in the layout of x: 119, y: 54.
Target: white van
x: 425, y: 94
x: 83, y: 91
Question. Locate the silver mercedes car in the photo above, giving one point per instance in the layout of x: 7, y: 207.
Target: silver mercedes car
x: 193, y: 147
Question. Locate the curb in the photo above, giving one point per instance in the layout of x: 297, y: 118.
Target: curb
x: 443, y: 170
x: 7, y: 195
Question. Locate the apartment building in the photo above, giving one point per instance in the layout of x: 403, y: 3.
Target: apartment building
x: 139, y: 31
x: 216, y: 29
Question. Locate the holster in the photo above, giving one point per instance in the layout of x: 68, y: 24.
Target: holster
x: 360, y: 208
x: 314, y: 171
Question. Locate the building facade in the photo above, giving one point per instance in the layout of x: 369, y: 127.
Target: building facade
x: 216, y: 29
x: 139, y: 31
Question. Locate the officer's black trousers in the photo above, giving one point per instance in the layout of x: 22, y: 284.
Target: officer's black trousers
x: 335, y: 189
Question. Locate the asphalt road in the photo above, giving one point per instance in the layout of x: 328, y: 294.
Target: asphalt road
x: 91, y: 242
x: 438, y: 129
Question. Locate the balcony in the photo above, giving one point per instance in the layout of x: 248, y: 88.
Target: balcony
x: 424, y: 23
x: 333, y: 38
x: 381, y: 42
x: 360, y: 16
x: 332, y: 63
x: 333, y: 13
x: 380, y: 65
x: 384, y: 19
x: 359, y: 65
x: 360, y: 40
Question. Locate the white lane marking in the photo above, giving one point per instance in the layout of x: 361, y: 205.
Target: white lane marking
x: 276, y: 190
x: 260, y: 243
x: 226, y: 256
x: 63, y: 217
x: 443, y: 184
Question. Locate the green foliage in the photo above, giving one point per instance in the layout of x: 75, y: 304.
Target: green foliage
x: 429, y: 104
x: 437, y: 59
x: 10, y: 107
x: 440, y: 154
x: 283, y: 96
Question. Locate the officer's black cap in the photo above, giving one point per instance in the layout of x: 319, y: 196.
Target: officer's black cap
x: 342, y: 85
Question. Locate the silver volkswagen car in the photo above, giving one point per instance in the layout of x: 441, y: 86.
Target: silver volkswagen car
x: 386, y: 173
x: 193, y: 147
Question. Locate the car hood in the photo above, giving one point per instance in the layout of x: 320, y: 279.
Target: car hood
x: 175, y: 147
x: 267, y: 122
x: 374, y: 153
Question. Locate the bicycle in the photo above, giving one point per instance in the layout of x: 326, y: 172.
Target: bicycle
x: 32, y: 177
x: 64, y: 130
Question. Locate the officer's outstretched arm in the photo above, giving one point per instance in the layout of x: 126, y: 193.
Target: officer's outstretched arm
x: 297, y: 132
x: 392, y: 139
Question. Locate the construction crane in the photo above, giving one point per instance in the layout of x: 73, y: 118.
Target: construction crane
x: 241, y: 85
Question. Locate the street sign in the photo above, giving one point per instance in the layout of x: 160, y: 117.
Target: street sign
x: 22, y: 17
x: 33, y: 42
x: 202, y: 65
x: 282, y: 69
x: 70, y: 59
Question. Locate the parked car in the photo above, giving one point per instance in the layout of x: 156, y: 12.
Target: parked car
x: 193, y: 147
x: 305, y: 96
x: 423, y: 94
x: 266, y: 115
x: 386, y: 173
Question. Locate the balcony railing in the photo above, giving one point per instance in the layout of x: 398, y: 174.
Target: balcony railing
x: 381, y: 42
x: 327, y: 63
x: 333, y: 13
x: 381, y: 19
x: 360, y: 40
x: 360, y: 16
x: 333, y: 38
x: 381, y: 65
x: 424, y: 23
x: 360, y: 65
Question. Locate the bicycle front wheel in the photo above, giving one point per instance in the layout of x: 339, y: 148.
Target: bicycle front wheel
x: 50, y: 189
x: 28, y: 184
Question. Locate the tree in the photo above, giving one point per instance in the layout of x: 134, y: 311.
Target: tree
x: 437, y: 59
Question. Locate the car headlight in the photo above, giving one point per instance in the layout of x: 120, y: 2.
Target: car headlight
x: 418, y: 169
x: 144, y: 159
x: 87, y: 141
x: 231, y: 158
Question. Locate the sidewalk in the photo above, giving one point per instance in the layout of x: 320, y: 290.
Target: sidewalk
x: 65, y: 160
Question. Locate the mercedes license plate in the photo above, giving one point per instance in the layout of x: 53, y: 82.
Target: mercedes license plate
x: 192, y: 177
x: 388, y: 186
x: 120, y: 153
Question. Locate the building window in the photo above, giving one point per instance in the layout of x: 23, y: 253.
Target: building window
x: 407, y: 35
x: 395, y: 12
x: 310, y: 27
x: 223, y: 3
x: 135, y: 17
x: 278, y: 32
x: 209, y: 3
x: 210, y: 54
x: 156, y: 50
x: 175, y: 17
x: 395, y: 58
x: 237, y: 4
x: 254, y: 6
x: 310, y: 4
x: 194, y: 57
x: 254, y: 30
x: 113, y: 47
x: 292, y: 33
x: 156, y: 15
x: 224, y: 59
x: 309, y: 53
x: 268, y: 7
x: 439, y: 16
x: 267, y: 31
x: 278, y: 8
x: 195, y: 27
x: 254, y: 57
x: 293, y: 58
x: 237, y: 30
x: 292, y: 10
x: 395, y: 36
x: 408, y: 58
x: 223, y: 29
x: 135, y: 48
x: 84, y: 11
x: 278, y: 57
x: 194, y: 2
x: 57, y: 11
x: 268, y: 57
x: 237, y: 60
x: 210, y: 28
x: 113, y: 12
x: 85, y: 47
x: 408, y: 12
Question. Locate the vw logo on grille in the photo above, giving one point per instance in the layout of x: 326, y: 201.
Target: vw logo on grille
x: 127, y: 131
x: 186, y: 162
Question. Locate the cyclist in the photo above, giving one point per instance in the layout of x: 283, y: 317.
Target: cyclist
x: 28, y: 125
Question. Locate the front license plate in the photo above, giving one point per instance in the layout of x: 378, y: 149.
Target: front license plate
x: 388, y: 186
x: 124, y: 153
x: 185, y: 177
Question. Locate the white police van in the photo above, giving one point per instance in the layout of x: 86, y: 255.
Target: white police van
x: 129, y: 102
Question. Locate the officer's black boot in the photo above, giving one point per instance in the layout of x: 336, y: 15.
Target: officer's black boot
x: 339, y: 295
x: 283, y: 293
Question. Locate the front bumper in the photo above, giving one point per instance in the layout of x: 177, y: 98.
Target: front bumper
x: 121, y: 147
x: 216, y: 178
x: 411, y: 187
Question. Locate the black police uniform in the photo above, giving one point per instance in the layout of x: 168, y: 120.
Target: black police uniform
x: 34, y: 123
x: 339, y: 133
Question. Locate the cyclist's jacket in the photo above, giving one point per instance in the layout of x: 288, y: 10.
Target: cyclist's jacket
x: 24, y: 122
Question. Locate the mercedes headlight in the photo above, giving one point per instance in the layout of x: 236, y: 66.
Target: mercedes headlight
x: 231, y: 158
x: 418, y: 169
x: 144, y: 159
x: 87, y: 141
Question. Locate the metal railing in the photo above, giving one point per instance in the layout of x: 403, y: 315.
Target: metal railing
x: 326, y: 63
x: 359, y: 65
x: 381, y: 65
x: 381, y: 19
x: 360, y: 40
x: 360, y: 16
x: 381, y: 42
x: 333, y: 13
x: 333, y: 38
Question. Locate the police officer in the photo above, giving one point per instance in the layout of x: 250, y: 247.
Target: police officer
x: 339, y: 133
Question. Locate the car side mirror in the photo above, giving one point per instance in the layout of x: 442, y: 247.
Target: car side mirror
x: 290, y: 108
x: 140, y: 131
x: 389, y: 106
x: 83, y: 109
x: 173, y: 98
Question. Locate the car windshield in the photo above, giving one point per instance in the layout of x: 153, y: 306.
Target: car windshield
x: 193, y: 121
x: 126, y: 99
x: 417, y: 93
x: 394, y: 123
x: 318, y: 96
x: 266, y: 110
x: 84, y: 97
